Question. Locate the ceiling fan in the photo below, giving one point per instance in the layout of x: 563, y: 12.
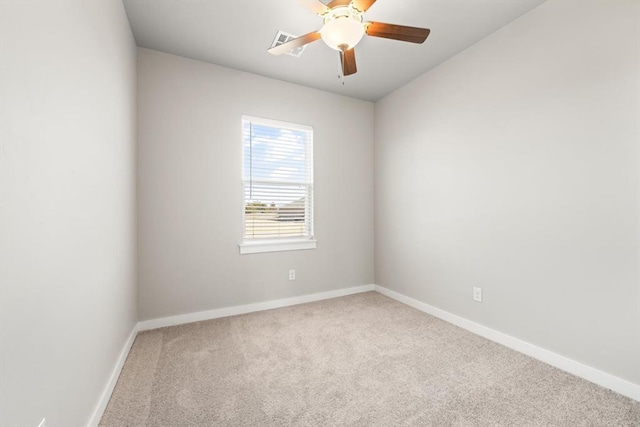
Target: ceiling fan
x: 344, y: 27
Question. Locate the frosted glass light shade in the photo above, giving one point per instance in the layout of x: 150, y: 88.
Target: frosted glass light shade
x: 342, y: 33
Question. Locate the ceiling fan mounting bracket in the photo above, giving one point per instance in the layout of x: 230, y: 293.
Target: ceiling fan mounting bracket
x: 336, y: 3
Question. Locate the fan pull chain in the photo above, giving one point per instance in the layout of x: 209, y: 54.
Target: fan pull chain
x: 340, y: 76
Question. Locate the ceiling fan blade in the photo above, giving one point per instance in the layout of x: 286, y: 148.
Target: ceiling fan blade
x: 315, y: 6
x: 363, y: 5
x: 348, y: 60
x: 292, y: 44
x: 397, y: 32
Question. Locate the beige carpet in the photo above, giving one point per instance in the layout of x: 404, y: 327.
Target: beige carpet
x: 361, y: 360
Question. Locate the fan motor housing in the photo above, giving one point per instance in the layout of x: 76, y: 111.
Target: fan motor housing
x: 343, y: 12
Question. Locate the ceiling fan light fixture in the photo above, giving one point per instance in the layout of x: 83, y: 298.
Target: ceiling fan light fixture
x: 343, y: 29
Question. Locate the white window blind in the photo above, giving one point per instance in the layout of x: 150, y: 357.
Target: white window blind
x: 277, y: 181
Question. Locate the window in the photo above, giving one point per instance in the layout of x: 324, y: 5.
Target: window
x: 277, y: 175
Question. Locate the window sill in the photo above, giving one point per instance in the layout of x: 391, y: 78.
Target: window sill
x: 255, y: 247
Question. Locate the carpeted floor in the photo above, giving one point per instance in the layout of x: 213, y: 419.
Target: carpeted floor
x: 360, y: 360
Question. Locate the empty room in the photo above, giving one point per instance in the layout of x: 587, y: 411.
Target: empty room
x: 319, y: 213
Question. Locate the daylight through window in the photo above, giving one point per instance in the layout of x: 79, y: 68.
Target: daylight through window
x: 278, y: 182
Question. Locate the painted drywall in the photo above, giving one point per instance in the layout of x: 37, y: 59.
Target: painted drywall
x: 514, y: 167
x: 190, y: 188
x: 67, y: 229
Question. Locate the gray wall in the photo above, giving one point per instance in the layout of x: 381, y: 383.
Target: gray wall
x: 67, y: 229
x: 514, y: 167
x: 190, y: 188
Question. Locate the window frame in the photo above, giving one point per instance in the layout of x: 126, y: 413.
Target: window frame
x: 252, y: 246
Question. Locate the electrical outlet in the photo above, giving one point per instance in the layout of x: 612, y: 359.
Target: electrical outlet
x: 477, y: 294
x: 292, y: 275
x: 43, y: 423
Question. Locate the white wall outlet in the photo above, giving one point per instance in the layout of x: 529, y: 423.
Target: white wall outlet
x: 43, y: 423
x: 292, y: 275
x: 477, y: 294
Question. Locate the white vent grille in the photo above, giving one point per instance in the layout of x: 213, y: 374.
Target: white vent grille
x: 283, y: 37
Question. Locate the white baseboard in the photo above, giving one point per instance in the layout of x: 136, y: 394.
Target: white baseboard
x: 113, y: 379
x: 596, y: 376
x: 248, y: 308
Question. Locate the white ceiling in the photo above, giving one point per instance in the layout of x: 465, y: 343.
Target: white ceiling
x: 237, y: 34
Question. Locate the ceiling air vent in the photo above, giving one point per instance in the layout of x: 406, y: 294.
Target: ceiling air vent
x: 283, y: 37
